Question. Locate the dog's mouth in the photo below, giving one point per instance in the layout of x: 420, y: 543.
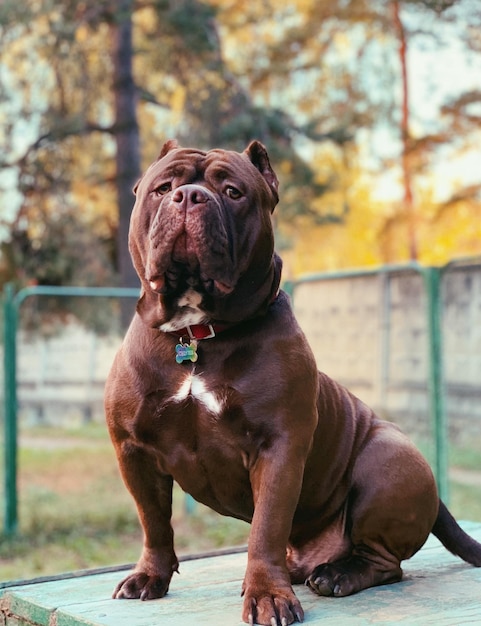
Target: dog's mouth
x: 176, y: 281
x: 157, y: 284
x: 188, y: 263
x: 179, y: 251
x: 181, y: 268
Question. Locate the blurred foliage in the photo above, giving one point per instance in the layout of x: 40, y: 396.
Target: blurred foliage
x: 317, y: 81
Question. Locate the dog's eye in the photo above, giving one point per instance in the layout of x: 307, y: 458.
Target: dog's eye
x: 233, y: 192
x: 163, y: 189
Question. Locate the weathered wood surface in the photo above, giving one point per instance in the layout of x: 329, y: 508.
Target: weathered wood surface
x: 437, y: 589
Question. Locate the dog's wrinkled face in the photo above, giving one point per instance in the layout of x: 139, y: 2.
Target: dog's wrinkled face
x: 201, y: 236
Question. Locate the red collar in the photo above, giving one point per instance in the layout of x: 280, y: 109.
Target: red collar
x: 200, y: 331
x: 205, y: 331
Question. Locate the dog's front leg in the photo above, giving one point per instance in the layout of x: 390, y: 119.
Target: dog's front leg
x: 276, y: 479
x: 152, y: 492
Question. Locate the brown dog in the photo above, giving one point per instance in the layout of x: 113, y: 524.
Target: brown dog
x: 215, y: 387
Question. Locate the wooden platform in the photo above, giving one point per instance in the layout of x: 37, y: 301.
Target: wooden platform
x: 437, y: 589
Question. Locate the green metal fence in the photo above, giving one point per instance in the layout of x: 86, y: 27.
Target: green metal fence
x: 12, y: 304
x: 432, y: 277
x: 432, y: 282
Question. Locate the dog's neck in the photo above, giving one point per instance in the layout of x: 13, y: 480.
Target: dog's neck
x: 188, y: 313
x: 191, y: 322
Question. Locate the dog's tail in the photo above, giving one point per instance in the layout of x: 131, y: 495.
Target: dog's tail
x: 453, y: 537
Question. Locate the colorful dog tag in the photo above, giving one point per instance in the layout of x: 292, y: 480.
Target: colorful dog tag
x: 186, y: 352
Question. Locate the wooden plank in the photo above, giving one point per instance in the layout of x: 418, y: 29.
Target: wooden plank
x: 437, y: 589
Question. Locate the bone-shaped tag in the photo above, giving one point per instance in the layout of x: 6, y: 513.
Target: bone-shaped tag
x: 186, y: 352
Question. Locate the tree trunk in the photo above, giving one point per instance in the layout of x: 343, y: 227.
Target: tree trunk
x: 126, y: 134
x: 407, y: 182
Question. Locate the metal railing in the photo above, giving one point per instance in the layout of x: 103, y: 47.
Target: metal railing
x: 432, y: 277
x: 12, y: 304
x: 432, y: 281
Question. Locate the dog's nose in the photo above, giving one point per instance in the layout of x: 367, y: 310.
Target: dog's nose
x: 190, y: 195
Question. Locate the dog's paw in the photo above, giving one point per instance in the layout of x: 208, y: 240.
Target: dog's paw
x: 328, y: 580
x: 350, y: 575
x: 139, y: 585
x: 272, y: 609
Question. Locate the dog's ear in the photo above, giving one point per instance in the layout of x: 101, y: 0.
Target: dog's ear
x: 169, y: 145
x: 136, y: 186
x: 258, y: 156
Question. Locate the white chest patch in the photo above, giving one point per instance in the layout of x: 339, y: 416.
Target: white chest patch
x: 188, y: 312
x: 194, y: 386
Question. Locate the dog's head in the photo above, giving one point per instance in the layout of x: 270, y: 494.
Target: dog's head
x: 201, y: 236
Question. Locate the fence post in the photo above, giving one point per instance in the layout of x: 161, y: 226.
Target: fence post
x: 10, y: 400
x: 432, y: 278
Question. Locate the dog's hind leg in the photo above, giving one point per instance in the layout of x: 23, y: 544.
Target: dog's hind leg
x: 393, y: 506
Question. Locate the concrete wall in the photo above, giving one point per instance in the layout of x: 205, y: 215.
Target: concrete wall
x: 61, y: 378
x: 370, y: 332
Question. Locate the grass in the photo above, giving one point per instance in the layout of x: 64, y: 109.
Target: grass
x: 75, y: 512
x: 465, y: 501
x: 467, y: 458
